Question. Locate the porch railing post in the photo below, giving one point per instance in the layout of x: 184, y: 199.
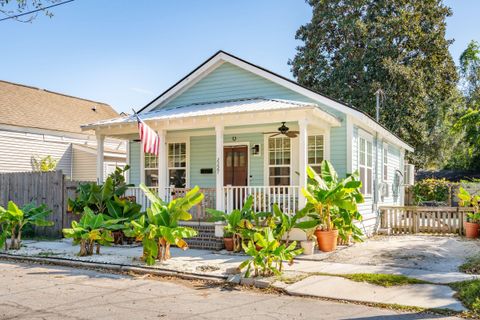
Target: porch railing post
x: 220, y: 204
x: 162, y: 165
x: 100, y: 157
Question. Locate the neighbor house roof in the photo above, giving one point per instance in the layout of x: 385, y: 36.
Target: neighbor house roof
x: 235, y: 106
x: 31, y: 107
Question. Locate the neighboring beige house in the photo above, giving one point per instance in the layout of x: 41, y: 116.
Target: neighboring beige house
x: 35, y: 123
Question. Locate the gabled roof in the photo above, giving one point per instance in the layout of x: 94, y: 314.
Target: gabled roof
x: 221, y: 56
x: 31, y: 107
x: 235, y: 106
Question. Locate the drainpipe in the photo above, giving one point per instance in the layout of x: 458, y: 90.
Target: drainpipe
x: 378, y: 93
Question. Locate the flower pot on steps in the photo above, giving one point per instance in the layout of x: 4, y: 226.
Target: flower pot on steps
x: 308, y: 247
x: 327, y: 240
x: 228, y: 242
x: 471, y: 229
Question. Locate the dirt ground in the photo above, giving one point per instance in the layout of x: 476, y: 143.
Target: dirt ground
x: 435, y: 253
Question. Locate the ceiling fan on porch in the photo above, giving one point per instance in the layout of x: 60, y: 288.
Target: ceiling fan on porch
x: 283, y: 129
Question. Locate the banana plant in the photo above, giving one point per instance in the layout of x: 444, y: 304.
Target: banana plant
x: 238, y: 222
x: 268, y: 260
x: 469, y: 200
x: 332, y: 202
x: 286, y: 222
x: 93, y: 230
x: 14, y: 219
x: 159, y: 229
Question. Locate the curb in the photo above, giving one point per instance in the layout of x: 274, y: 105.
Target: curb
x: 121, y: 268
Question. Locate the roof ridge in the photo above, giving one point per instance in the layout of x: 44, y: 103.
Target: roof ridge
x: 53, y: 92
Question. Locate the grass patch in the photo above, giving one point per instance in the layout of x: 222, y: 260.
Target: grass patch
x: 469, y: 293
x: 472, y: 265
x: 384, y: 280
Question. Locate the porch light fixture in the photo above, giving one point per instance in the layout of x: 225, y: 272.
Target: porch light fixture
x: 256, y: 150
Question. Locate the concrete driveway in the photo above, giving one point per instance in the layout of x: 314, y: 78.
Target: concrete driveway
x: 47, y: 292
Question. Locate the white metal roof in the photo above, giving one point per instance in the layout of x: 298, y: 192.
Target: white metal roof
x: 218, y: 108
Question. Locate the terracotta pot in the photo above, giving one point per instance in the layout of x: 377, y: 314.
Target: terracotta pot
x: 228, y: 242
x: 308, y: 247
x: 327, y: 240
x: 471, y: 229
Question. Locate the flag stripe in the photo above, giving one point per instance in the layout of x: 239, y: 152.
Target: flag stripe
x: 148, y: 136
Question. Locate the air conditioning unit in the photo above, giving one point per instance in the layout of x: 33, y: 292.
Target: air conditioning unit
x: 409, y: 174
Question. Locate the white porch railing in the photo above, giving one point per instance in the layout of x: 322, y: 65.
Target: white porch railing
x: 286, y: 197
x: 234, y: 196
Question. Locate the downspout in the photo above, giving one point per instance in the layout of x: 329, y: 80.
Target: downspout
x: 376, y: 184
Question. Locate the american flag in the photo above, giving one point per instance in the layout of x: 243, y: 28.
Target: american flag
x: 148, y: 136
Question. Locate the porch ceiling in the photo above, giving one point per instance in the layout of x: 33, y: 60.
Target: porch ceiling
x: 231, y: 112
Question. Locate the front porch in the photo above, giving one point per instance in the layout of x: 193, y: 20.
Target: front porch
x: 230, y: 149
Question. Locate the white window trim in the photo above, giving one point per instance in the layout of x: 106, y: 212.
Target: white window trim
x: 266, y: 161
x: 368, y: 138
x: 185, y: 140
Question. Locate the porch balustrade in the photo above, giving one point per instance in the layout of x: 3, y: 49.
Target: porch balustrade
x: 234, y: 196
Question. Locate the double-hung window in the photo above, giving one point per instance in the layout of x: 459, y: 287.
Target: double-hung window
x: 177, y: 164
x: 279, y: 161
x: 315, y: 152
x: 385, y: 162
x: 151, y: 170
x: 365, y: 165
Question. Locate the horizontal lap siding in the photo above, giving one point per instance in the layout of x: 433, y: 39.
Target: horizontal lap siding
x: 202, y: 156
x: 16, y: 153
x: 84, y: 165
x: 134, y: 158
x: 394, y: 163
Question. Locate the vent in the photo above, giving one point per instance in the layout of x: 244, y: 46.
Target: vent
x: 409, y: 174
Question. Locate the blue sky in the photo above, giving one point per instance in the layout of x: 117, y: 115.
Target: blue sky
x: 127, y: 52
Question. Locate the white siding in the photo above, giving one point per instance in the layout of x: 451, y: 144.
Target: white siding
x: 17, y: 151
x: 84, y: 165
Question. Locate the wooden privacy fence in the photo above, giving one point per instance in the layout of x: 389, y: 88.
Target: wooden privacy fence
x: 50, y: 188
x: 434, y: 220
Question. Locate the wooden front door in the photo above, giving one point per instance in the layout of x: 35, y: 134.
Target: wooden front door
x: 235, y: 165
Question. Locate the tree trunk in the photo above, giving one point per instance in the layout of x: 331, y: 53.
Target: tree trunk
x: 83, y: 248
x: 98, y: 248
x: 166, y: 253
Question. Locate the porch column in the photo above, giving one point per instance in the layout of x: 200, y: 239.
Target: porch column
x: 162, y: 164
x: 220, y: 205
x: 302, y: 160
x: 100, y: 155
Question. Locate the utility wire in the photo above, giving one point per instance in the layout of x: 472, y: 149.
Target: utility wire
x: 36, y: 10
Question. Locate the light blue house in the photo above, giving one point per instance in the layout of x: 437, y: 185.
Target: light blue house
x: 234, y: 128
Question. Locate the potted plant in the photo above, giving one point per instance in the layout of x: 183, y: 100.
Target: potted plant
x: 308, y: 245
x: 228, y: 239
x: 472, y: 223
x: 331, y: 204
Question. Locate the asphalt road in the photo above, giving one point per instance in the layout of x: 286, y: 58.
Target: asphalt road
x: 50, y: 292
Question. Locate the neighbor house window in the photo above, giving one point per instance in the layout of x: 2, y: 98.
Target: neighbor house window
x: 315, y: 152
x: 279, y: 160
x: 365, y: 165
x: 385, y: 163
x: 177, y: 164
x: 151, y: 170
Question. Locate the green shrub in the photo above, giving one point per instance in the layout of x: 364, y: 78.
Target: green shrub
x: 431, y: 190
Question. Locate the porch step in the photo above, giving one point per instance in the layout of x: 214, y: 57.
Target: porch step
x: 205, y: 238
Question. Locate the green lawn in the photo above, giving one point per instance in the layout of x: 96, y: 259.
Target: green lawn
x: 472, y: 265
x: 469, y: 293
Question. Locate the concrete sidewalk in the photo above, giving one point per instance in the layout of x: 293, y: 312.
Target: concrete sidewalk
x: 216, y: 265
x: 429, y: 296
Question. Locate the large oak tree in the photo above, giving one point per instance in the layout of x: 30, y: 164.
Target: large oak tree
x: 351, y: 48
